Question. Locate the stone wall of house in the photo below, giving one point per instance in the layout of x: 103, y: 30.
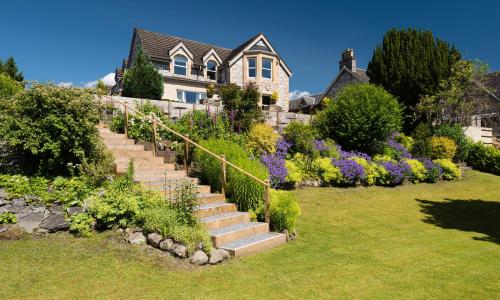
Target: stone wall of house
x: 344, y: 79
x: 236, y: 73
x: 283, y: 89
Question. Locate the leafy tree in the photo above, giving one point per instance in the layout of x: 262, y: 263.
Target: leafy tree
x: 360, y: 117
x: 101, y: 88
x: 52, y: 130
x: 8, y: 87
x: 142, y: 80
x: 10, y: 68
x: 242, y: 106
x: 409, y: 64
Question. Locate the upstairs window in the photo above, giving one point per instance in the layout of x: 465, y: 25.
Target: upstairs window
x: 252, y: 67
x: 267, y: 68
x: 211, y: 70
x: 180, y: 65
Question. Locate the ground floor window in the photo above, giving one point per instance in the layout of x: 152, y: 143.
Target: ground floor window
x: 266, y: 102
x: 190, y: 96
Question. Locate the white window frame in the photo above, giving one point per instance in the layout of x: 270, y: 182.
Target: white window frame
x: 199, y: 95
x: 215, y: 71
x: 180, y: 65
x: 270, y: 70
x: 252, y: 68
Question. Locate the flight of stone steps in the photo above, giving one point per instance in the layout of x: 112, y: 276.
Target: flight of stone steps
x: 229, y: 228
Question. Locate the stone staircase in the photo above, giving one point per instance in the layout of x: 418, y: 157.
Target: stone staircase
x: 229, y: 228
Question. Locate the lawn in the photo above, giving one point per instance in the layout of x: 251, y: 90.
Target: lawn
x: 412, y: 241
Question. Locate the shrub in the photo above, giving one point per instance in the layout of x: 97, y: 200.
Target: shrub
x: 241, y: 105
x: 456, y: 133
x: 301, y: 137
x: 442, y: 147
x: 277, y: 170
x: 118, y: 122
x: 404, y: 140
x: 202, y: 125
x: 352, y: 172
x: 184, y: 201
x: 421, y: 136
x: 141, y: 129
x: 360, y: 117
x: 418, y: 170
x: 283, y: 210
x: 262, y: 139
x: 8, y: 218
x: 8, y: 88
x: 372, y: 171
x: 484, y: 158
x: 294, y: 175
x: 242, y: 189
x: 142, y: 80
x: 328, y: 173
x: 305, y: 167
x: 81, y: 224
x: 379, y: 158
x: 396, y: 172
x: 395, y: 149
x: 450, y: 170
x: 53, y: 130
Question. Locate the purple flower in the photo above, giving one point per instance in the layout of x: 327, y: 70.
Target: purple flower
x: 397, y: 171
x: 352, y: 172
x: 277, y: 170
x: 320, y: 145
x: 430, y: 166
x: 282, y: 147
x: 400, y: 150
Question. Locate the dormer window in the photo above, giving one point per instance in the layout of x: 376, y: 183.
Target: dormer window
x: 211, y: 70
x: 180, y: 65
x: 252, y: 67
x: 267, y: 68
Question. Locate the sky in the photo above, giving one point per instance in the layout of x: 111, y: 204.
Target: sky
x: 79, y: 42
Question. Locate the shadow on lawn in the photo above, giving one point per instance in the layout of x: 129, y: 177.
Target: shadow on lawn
x: 467, y: 215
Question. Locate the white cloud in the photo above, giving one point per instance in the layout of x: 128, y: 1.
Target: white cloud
x: 108, y: 79
x: 65, y: 84
x: 297, y: 94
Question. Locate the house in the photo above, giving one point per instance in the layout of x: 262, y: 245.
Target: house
x: 188, y: 67
x: 348, y: 73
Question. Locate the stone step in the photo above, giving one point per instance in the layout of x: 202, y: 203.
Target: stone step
x: 159, y: 175
x: 151, y: 166
x: 254, y: 243
x: 225, y: 219
x: 207, y: 198
x: 128, y: 147
x: 116, y: 140
x: 227, y: 234
x: 217, y: 208
x: 131, y: 153
x: 204, y: 189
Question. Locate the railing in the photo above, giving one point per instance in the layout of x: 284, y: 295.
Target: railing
x: 224, y: 162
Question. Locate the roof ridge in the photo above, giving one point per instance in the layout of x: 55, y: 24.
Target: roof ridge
x: 184, y: 39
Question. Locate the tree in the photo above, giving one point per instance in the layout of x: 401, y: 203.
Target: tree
x: 242, y: 106
x: 10, y: 68
x: 8, y: 87
x: 458, y: 97
x: 360, y: 117
x: 101, y: 88
x: 409, y: 64
x: 142, y: 80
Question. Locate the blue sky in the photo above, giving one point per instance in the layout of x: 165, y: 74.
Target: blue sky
x: 78, y: 42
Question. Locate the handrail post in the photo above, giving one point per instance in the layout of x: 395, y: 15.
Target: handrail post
x: 277, y: 119
x: 267, y: 195
x: 125, y: 112
x: 223, y: 178
x: 186, y: 151
x: 154, y: 135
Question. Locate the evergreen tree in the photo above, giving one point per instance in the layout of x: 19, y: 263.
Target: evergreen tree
x: 410, y: 64
x: 10, y: 68
x: 142, y: 80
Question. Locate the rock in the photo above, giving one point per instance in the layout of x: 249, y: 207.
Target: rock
x: 199, y: 258
x: 180, y: 250
x: 32, y: 199
x: 218, y: 255
x: 73, y: 210
x: 54, y: 222
x: 38, y: 208
x: 154, y: 239
x: 19, y: 211
x: 11, y: 232
x: 136, y: 238
x: 3, y: 202
x: 167, y: 245
x: 5, y: 208
x: 3, y: 194
x: 56, y: 208
x: 293, y: 236
x: 31, y: 221
x: 19, y: 202
x: 285, y: 232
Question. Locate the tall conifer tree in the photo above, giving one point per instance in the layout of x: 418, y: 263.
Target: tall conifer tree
x: 142, y: 80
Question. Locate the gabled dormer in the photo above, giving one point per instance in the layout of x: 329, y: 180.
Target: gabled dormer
x: 211, y: 63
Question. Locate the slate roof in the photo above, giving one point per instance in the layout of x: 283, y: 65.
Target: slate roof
x: 157, y: 45
x: 305, y: 101
x: 360, y: 75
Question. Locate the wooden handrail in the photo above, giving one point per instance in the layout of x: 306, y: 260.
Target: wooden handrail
x: 186, y: 139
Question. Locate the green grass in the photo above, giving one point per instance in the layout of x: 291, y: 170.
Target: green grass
x: 403, y: 242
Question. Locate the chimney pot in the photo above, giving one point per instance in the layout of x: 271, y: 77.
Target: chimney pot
x: 348, y: 60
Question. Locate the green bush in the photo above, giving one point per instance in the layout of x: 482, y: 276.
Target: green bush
x: 184, y: 201
x: 456, y: 133
x: 200, y: 125
x: 283, y: 210
x: 406, y: 141
x: 7, y: 218
x: 141, y: 129
x: 8, y: 88
x: 360, y: 118
x: 450, y: 170
x: 81, y: 224
x: 294, y: 174
x: 442, y: 147
x: 421, y: 137
x: 118, y: 122
x: 374, y: 173
x: 262, y: 139
x: 304, y: 164
x: 241, y: 189
x: 328, y: 173
x: 52, y: 130
x: 484, y: 158
x: 142, y: 80
x: 302, y: 137
x: 418, y: 170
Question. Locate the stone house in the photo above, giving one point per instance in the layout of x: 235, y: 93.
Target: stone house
x: 188, y: 67
x: 348, y: 73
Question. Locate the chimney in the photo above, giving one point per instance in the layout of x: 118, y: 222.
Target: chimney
x: 348, y: 60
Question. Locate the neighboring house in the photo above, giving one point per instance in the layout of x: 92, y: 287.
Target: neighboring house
x: 348, y: 74
x: 189, y: 66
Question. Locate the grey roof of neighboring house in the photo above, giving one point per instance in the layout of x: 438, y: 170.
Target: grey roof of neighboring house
x: 157, y: 45
x: 305, y: 101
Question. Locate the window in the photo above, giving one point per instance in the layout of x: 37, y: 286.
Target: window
x: 252, y: 67
x: 267, y: 68
x: 160, y: 66
x: 211, y: 70
x: 190, y: 96
x: 180, y: 65
x: 266, y: 102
